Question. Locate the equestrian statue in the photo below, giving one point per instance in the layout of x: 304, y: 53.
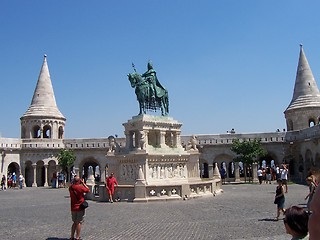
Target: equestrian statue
x: 151, y: 95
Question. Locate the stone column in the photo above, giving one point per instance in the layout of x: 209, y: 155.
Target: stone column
x: 178, y: 139
x: 236, y: 172
x: 255, y: 172
x: 174, y: 140
x: 34, y: 184
x: 46, y: 166
x: 162, y: 138
x: 210, y: 170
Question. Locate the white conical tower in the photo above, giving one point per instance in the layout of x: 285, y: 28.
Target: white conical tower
x: 43, y: 118
x: 304, y: 108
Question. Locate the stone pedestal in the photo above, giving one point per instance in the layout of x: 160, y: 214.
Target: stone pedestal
x: 255, y: 172
x: 154, y: 166
x: 236, y: 172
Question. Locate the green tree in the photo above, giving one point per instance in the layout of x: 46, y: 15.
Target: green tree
x: 247, y: 152
x: 66, y: 158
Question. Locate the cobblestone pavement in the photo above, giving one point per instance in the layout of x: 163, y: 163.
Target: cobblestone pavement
x: 243, y: 211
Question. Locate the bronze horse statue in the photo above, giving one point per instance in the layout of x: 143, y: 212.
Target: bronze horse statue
x: 150, y: 96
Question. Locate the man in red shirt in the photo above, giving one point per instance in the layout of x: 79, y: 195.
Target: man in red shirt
x: 111, y: 181
x: 77, y: 190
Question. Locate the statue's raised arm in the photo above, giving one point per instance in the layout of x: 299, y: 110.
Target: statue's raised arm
x: 151, y: 95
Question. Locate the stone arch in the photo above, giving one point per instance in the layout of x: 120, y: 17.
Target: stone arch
x: 36, y: 131
x: 60, y: 132
x: 40, y: 173
x: 47, y: 131
x: 84, y: 165
x: 312, y: 121
x: 52, y: 171
x: 270, y: 160
x: 28, y: 174
x: 14, y: 167
x: 204, y: 168
x: 224, y: 160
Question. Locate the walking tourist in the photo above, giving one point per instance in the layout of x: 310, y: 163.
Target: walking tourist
x: 284, y: 177
x: 21, y: 179
x: 312, y: 189
x: 279, y: 199
x: 14, y: 180
x: 76, y: 191
x: 296, y: 223
x: 54, y: 180
x: 3, y: 182
x: 111, y: 182
x: 259, y: 173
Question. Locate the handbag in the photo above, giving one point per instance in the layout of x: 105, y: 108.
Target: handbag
x: 84, y: 204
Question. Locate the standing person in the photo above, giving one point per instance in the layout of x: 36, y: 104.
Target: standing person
x: 278, y: 173
x: 279, y: 199
x: 14, y: 180
x: 111, y: 182
x: 284, y: 177
x: 223, y: 175
x: 312, y: 189
x: 21, y: 178
x: 296, y: 223
x: 76, y: 191
x: 268, y: 175
x: 3, y: 182
x: 54, y: 180
x: 259, y: 173
x: 61, y: 180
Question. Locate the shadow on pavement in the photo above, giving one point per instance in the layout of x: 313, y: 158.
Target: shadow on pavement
x: 54, y: 238
x: 269, y: 220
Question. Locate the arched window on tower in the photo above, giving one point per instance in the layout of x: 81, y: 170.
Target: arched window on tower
x: 312, y: 122
x: 36, y: 133
x: 61, y: 131
x: 46, y: 131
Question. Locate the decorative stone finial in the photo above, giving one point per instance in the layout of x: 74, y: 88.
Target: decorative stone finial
x: 300, y: 45
x: 45, y: 55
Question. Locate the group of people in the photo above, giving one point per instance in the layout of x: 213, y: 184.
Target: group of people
x: 269, y: 174
x: 11, y: 181
x: 77, y: 190
x: 298, y: 221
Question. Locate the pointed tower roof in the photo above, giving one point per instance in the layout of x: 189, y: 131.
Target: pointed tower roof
x: 306, y: 92
x: 43, y: 102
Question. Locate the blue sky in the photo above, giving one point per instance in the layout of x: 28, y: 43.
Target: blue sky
x: 226, y: 64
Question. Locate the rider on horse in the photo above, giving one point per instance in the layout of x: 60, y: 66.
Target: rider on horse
x: 156, y: 89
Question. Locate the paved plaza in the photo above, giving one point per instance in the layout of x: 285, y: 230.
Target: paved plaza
x: 243, y: 211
